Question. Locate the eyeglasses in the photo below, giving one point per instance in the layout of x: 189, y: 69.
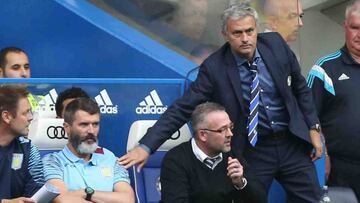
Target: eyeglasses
x: 221, y: 130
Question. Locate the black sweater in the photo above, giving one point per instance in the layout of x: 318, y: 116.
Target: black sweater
x: 184, y: 178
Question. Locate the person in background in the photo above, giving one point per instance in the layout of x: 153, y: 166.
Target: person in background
x: 284, y: 17
x: 257, y: 78
x: 82, y: 171
x: 202, y: 169
x: 21, y: 168
x: 334, y: 81
x: 67, y: 96
x: 14, y: 63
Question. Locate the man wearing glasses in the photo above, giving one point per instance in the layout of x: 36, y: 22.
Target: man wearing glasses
x: 202, y: 169
x: 257, y: 78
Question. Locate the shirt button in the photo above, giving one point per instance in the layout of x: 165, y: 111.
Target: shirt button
x: 261, y: 90
x: 272, y: 122
x: 267, y: 107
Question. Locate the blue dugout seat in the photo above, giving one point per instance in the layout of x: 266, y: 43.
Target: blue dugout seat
x: 147, y: 184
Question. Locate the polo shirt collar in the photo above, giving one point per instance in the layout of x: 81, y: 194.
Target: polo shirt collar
x: 73, y: 158
x: 348, y: 58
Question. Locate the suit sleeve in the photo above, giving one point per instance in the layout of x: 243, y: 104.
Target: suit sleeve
x: 174, y: 182
x: 302, y: 92
x: 180, y: 111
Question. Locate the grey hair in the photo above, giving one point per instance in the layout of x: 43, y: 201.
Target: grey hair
x: 236, y: 12
x: 353, y: 9
x: 199, y: 115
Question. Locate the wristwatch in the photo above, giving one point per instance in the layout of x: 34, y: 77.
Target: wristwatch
x: 316, y: 127
x: 89, y: 192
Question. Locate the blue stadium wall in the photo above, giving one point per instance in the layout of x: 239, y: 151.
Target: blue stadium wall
x: 68, y: 38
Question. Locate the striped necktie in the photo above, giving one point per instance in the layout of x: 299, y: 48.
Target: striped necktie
x: 253, y: 118
x: 211, y: 161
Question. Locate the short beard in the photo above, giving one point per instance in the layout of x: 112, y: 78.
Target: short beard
x: 80, y: 144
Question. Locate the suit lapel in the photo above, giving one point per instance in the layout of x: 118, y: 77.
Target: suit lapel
x: 274, y: 68
x: 234, y: 75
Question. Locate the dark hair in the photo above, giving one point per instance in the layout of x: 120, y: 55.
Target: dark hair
x: 7, y: 50
x: 10, y: 96
x: 198, y: 116
x: 84, y: 104
x: 71, y: 93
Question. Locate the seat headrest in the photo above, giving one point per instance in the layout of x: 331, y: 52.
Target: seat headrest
x: 139, y: 128
x: 48, y: 133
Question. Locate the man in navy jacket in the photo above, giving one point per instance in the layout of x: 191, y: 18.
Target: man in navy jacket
x: 288, y: 127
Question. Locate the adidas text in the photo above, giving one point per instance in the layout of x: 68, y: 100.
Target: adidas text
x: 151, y: 110
x: 108, y: 109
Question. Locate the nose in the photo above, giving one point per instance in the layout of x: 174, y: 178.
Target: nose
x: 91, y: 129
x: 24, y: 73
x: 229, y: 132
x: 300, y: 22
x: 244, y: 37
x: 30, y: 116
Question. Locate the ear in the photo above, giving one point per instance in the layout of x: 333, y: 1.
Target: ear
x: 202, y: 135
x: 67, y: 128
x: 1, y: 73
x: 6, y: 116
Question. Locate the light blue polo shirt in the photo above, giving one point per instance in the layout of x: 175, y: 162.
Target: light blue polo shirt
x: 100, y: 173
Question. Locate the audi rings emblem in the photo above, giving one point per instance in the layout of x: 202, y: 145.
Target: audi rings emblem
x: 175, y: 136
x: 56, y: 132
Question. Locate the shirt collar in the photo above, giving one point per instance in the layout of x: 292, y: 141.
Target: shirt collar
x: 73, y: 158
x: 348, y: 59
x: 200, y: 154
x: 240, y: 60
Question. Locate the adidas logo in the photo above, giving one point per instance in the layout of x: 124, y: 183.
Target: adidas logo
x: 343, y: 77
x: 47, y: 103
x: 105, y: 103
x: 151, y: 105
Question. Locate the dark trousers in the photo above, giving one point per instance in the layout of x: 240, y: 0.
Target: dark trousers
x: 345, y: 173
x: 286, y: 158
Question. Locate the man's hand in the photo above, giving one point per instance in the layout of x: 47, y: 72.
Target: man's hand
x: 18, y: 200
x: 235, y: 172
x: 317, y: 144
x: 136, y: 156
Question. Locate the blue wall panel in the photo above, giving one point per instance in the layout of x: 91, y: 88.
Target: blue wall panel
x: 67, y: 38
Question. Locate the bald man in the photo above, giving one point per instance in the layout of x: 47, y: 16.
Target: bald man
x: 284, y: 17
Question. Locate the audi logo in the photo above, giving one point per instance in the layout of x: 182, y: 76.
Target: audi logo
x: 56, y: 132
x: 175, y: 136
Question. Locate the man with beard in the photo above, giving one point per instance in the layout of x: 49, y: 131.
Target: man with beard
x: 202, y: 169
x: 83, y: 171
x: 20, y: 163
x: 257, y: 78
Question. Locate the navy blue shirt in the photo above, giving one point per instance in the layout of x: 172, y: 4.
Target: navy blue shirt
x: 273, y: 115
x: 21, y: 169
x: 334, y: 81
